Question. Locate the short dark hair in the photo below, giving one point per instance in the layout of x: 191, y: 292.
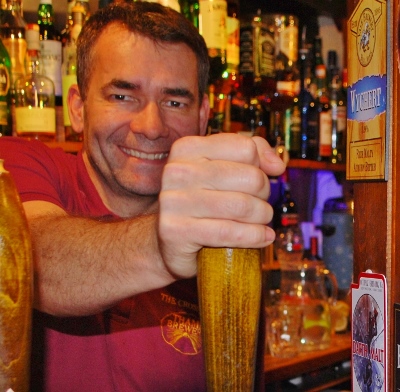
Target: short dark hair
x: 152, y: 20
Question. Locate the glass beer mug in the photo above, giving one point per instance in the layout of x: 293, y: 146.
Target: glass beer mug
x: 304, y: 284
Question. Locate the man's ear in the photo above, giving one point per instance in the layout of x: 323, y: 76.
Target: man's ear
x: 204, y: 113
x: 75, y: 108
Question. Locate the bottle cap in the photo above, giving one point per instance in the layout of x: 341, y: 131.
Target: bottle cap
x: 45, y: 2
x: 32, y: 36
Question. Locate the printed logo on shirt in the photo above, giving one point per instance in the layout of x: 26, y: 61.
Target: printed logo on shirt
x: 182, y: 331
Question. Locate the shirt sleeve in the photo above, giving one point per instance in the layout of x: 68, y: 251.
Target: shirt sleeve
x: 39, y: 172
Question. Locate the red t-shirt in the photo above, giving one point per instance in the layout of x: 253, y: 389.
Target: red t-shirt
x: 150, y: 342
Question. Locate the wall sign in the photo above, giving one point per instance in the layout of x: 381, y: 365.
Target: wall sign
x: 367, y: 130
x: 369, y: 333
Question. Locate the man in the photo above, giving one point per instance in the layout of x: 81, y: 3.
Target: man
x: 116, y: 229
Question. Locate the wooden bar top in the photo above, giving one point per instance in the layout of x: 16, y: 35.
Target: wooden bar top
x: 277, y: 369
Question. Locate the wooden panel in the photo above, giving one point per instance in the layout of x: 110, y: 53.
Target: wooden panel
x: 376, y: 217
x: 370, y: 227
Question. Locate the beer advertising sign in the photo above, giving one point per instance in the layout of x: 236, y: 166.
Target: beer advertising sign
x: 367, y: 92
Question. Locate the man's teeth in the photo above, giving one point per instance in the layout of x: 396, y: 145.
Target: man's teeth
x: 143, y: 155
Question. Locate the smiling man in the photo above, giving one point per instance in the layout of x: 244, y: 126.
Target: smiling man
x: 116, y: 229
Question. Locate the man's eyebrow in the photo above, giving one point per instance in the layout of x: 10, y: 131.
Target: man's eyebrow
x: 179, y: 92
x: 121, y: 84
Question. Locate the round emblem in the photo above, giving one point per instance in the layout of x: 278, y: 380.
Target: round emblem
x: 366, y: 36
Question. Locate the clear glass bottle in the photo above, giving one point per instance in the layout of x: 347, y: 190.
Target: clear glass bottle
x: 68, y: 69
x: 16, y: 288
x: 35, y: 114
x: 5, y: 92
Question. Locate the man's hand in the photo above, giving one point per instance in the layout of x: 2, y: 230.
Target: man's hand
x: 214, y: 193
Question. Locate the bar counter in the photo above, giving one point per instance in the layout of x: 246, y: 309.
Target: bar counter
x: 325, y: 365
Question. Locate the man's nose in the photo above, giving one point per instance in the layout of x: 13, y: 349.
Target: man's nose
x: 149, y: 121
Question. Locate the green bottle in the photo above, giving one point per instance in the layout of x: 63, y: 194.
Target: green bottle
x: 5, y: 92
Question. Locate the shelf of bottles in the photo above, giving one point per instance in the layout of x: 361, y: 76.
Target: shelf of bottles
x: 267, y: 78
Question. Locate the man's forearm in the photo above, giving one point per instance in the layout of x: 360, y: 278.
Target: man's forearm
x: 83, y: 266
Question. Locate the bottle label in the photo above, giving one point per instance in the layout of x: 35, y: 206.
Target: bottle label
x: 4, y: 80
x: 35, y: 120
x: 287, y: 42
x: 289, y: 219
x: 341, y: 113
x: 51, y: 58
x: 16, y: 48
x: 3, y: 113
x: 232, y: 49
x: 325, y: 133
x: 212, y: 23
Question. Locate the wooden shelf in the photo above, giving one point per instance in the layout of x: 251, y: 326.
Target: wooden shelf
x: 74, y: 147
x: 315, y: 165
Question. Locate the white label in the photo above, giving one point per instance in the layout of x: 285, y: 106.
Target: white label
x: 51, y: 58
x: 35, y: 120
x: 212, y: 23
x: 233, y: 50
x: 325, y: 131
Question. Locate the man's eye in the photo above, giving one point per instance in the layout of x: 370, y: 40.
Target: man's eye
x: 119, y: 97
x: 176, y: 104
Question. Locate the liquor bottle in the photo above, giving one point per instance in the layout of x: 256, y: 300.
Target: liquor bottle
x: 50, y: 47
x: 226, y: 87
x: 257, y: 55
x: 212, y: 26
x: 342, y: 119
x: 233, y: 43
x: 51, y: 58
x: 306, y: 103
x: 286, y: 209
x: 12, y: 32
x: 174, y: 4
x: 68, y: 69
x: 312, y: 253
x: 276, y: 138
x: 191, y: 9
x: 286, y: 53
x: 339, y: 120
x: 65, y: 31
x: 35, y: 113
x: 5, y: 92
x: 294, y: 145
x: 289, y: 244
x: 86, y: 6
x: 323, y: 106
x: 16, y: 288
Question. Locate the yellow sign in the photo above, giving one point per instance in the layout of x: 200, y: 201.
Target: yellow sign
x: 367, y: 92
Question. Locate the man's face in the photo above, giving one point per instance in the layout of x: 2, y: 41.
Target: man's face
x: 141, y: 98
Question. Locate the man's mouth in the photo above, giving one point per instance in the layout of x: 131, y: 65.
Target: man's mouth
x: 143, y: 155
